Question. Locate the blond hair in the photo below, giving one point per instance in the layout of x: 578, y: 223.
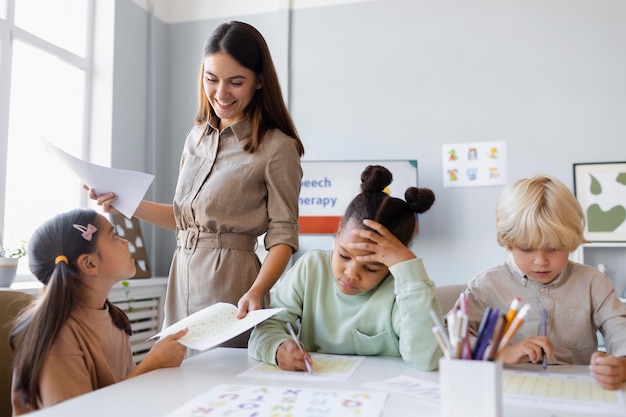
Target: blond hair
x: 539, y: 212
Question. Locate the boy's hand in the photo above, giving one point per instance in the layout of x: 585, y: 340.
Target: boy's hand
x: 528, y: 350
x: 608, y: 371
x: 290, y: 358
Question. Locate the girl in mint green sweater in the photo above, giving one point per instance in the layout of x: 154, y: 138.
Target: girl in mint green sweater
x: 370, y: 295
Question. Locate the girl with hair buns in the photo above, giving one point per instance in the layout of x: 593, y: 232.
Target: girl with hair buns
x: 73, y: 340
x: 370, y: 295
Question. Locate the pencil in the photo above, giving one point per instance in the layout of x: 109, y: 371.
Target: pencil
x: 498, y: 332
x: 513, y: 328
x: 295, y: 339
x: 443, y: 341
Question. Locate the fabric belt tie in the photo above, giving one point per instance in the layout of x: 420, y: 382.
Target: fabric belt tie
x: 190, y: 239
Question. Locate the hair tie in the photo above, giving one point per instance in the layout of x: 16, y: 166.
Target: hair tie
x: 87, y: 232
x: 61, y: 258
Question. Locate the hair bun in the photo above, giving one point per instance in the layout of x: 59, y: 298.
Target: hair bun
x: 419, y: 199
x: 375, y: 178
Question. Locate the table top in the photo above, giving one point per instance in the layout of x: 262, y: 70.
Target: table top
x: 162, y: 391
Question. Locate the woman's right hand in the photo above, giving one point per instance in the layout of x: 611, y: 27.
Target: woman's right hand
x: 105, y: 200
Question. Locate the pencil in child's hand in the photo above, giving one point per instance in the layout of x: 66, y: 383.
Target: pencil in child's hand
x: 309, y: 368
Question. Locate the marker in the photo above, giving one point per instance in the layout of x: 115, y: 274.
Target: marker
x: 513, y: 328
x: 295, y: 339
x: 512, y: 313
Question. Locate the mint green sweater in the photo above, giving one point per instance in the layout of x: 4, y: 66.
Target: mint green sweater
x: 391, y: 320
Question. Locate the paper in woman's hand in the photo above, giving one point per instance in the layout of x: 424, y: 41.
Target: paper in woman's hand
x: 216, y: 324
x: 129, y: 186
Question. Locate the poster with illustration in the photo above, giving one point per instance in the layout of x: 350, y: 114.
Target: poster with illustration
x: 474, y: 164
x: 601, y: 190
x: 327, y: 187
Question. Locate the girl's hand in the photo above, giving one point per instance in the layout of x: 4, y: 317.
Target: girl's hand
x: 608, y: 371
x: 105, y: 200
x: 290, y: 358
x: 385, y: 247
x: 528, y: 350
x: 166, y: 353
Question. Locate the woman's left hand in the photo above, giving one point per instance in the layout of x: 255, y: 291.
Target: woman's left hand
x: 385, y: 247
x: 248, y: 302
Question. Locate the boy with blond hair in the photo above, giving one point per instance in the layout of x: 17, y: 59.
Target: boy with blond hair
x: 540, y: 222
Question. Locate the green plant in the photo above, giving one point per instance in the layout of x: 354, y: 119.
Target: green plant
x: 14, y: 252
x: 129, y: 299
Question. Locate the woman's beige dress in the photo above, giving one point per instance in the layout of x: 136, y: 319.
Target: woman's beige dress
x: 225, y: 198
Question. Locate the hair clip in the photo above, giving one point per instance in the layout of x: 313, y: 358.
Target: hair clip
x: 87, y: 232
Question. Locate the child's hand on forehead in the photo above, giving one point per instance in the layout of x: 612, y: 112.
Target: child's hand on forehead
x: 385, y: 248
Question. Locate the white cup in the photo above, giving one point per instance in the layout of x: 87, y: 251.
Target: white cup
x: 470, y: 388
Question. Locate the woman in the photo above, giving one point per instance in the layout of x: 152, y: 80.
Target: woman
x: 239, y: 178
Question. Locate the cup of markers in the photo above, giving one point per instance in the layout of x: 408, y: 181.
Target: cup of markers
x: 495, y: 332
x: 470, y: 375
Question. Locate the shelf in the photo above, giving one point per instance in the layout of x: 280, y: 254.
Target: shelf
x: 604, y: 245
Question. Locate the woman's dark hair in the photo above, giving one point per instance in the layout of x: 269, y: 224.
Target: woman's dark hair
x: 373, y: 203
x: 37, y: 328
x: 267, y: 110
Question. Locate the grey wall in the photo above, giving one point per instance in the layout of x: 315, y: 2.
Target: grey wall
x: 397, y: 79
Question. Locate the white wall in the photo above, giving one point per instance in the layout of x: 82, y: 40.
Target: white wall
x: 397, y: 79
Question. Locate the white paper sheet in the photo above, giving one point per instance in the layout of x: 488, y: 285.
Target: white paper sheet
x: 561, y: 392
x: 216, y: 324
x: 129, y: 186
x: 326, y: 367
x: 579, y: 393
x: 260, y: 400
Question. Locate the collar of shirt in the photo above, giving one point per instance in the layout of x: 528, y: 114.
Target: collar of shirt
x: 242, y: 129
x: 523, y: 279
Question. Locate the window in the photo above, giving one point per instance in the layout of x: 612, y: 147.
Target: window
x: 45, y: 63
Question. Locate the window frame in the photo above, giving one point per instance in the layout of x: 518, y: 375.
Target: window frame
x: 10, y: 32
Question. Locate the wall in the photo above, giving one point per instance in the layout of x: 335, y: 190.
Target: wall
x: 397, y: 79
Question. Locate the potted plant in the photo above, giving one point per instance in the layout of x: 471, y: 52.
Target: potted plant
x: 9, y: 257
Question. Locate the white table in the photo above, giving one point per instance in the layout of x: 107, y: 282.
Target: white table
x: 162, y: 391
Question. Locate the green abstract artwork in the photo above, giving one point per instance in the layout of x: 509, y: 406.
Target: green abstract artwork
x: 601, y: 190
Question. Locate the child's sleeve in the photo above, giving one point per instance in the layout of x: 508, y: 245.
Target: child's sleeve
x: 415, y: 297
x: 610, y: 316
x: 271, y: 333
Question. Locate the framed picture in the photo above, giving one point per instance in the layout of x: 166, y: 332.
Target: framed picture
x: 601, y: 190
x: 130, y: 229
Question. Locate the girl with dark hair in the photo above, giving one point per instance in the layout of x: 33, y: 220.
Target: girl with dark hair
x: 73, y: 340
x: 370, y: 295
x: 239, y: 178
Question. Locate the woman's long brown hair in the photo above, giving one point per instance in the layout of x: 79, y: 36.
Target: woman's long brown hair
x: 267, y: 110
